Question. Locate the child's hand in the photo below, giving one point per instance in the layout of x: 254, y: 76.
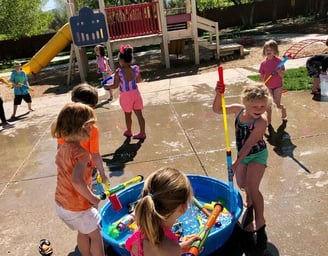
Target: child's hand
x: 19, y: 84
x: 220, y: 88
x: 187, y: 241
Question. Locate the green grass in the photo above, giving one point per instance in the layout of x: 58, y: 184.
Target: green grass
x: 294, y: 79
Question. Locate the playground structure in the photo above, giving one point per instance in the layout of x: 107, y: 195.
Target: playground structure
x: 298, y: 47
x: 138, y: 24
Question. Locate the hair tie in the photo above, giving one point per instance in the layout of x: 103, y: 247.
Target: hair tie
x: 151, y: 195
x: 122, y: 48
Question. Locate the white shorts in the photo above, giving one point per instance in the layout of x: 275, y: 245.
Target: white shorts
x: 85, y: 221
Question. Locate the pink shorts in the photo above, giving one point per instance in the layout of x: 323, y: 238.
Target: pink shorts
x: 130, y: 101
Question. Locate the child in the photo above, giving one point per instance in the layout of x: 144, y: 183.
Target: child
x: 275, y: 83
x: 126, y: 78
x: 88, y: 95
x: 315, y: 66
x: 103, y: 67
x: 21, y: 89
x: 4, y: 122
x: 76, y: 205
x: 250, y: 164
x: 165, y: 197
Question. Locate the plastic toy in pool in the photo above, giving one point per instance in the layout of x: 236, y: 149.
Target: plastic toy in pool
x: 206, y: 190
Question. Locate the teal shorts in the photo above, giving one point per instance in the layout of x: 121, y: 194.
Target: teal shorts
x: 260, y: 157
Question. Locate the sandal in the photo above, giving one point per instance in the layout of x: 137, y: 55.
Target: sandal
x: 316, y: 92
x: 139, y: 136
x: 127, y: 134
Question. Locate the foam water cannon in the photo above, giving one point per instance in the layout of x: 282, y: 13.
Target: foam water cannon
x: 280, y: 65
x: 5, y: 81
x: 111, y: 193
x: 196, y: 246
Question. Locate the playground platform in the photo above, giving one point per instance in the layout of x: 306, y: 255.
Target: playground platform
x: 183, y: 132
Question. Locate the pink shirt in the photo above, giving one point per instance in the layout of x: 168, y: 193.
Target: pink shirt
x: 266, y: 68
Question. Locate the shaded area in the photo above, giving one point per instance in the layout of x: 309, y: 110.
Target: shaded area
x: 125, y: 153
x: 282, y: 143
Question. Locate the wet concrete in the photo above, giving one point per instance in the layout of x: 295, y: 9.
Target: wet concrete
x: 182, y: 131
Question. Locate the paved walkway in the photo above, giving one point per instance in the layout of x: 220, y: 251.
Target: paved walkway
x: 182, y: 131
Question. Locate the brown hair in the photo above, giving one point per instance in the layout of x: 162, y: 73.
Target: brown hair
x: 85, y: 94
x: 164, y: 190
x: 272, y: 44
x: 72, y: 120
x: 254, y: 92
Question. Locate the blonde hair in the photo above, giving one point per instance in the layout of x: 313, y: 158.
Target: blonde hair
x: 272, y: 44
x: 164, y: 190
x: 72, y: 120
x: 252, y: 92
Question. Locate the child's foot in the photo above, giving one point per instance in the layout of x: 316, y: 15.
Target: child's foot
x: 13, y: 117
x: 316, y: 91
x: 7, y: 125
x: 127, y: 134
x: 139, y: 136
x: 110, y: 98
x: 283, y: 114
x: 31, y: 109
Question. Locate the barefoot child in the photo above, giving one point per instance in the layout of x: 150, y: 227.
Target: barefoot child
x: 269, y: 67
x: 103, y: 67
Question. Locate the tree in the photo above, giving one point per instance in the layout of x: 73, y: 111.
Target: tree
x: 22, y: 18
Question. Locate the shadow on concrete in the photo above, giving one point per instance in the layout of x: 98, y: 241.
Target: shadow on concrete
x: 282, y: 143
x: 125, y: 153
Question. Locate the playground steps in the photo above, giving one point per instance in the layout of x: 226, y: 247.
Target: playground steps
x: 297, y: 47
x: 225, y: 49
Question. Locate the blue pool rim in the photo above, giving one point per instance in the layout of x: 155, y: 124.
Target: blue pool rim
x: 205, y: 189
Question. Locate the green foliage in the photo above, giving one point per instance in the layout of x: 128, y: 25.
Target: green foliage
x: 21, y: 18
x: 294, y: 79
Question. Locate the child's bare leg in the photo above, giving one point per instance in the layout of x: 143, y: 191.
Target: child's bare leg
x: 255, y: 172
x: 14, y: 111
x: 269, y: 114
x: 141, y: 121
x: 276, y: 94
x: 316, y: 84
x: 97, y: 246
x: 128, y: 121
x: 83, y: 243
x: 29, y: 105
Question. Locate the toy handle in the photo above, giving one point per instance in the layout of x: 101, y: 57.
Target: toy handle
x: 220, y: 86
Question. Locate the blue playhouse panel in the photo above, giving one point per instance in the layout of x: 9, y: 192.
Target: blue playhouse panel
x: 206, y: 189
x: 88, y: 28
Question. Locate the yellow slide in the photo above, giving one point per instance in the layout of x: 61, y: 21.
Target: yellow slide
x: 55, y: 45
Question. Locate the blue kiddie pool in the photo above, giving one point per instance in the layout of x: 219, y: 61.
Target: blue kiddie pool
x: 206, y: 191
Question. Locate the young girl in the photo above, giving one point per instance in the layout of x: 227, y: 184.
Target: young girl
x: 251, y: 161
x: 88, y: 95
x: 21, y: 89
x: 126, y: 78
x: 103, y: 67
x: 165, y: 197
x: 76, y: 205
x: 269, y: 66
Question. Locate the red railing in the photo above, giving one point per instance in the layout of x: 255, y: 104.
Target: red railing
x: 133, y: 20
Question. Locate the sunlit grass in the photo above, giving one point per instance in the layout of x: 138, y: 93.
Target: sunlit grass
x: 294, y: 79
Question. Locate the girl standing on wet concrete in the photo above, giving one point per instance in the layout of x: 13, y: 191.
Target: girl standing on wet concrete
x: 269, y: 67
x: 126, y: 78
x: 75, y: 203
x: 251, y: 161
